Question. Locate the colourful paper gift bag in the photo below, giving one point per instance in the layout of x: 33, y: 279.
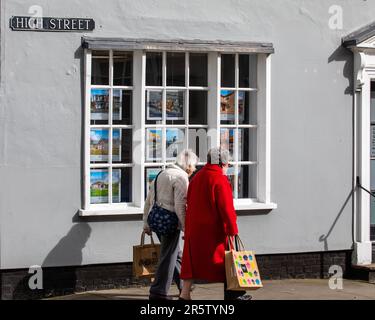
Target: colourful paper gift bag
x: 241, y: 268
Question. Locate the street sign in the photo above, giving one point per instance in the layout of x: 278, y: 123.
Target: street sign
x: 19, y: 23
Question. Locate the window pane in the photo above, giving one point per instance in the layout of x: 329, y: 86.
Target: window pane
x: 247, y: 70
x: 227, y: 70
x: 247, y: 101
x: 153, y: 145
x: 100, y: 53
x: 154, y: 104
x: 100, y: 68
x: 198, y: 107
x: 253, y: 77
x: 198, y: 142
x: 121, y: 185
x: 150, y: 175
x: 175, y: 106
x: 98, y: 186
x: 243, y: 61
x: 154, y: 64
x: 247, y: 145
x: 99, y: 145
x: 122, y: 68
x: 247, y: 182
x: 175, y: 143
x: 122, y: 107
x: 175, y: 69
x: 99, y: 106
x: 227, y: 106
x: 227, y: 139
x: 231, y: 173
x: 122, y: 146
x: 198, y: 69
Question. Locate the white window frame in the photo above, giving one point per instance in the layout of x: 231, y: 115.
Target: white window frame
x: 236, y: 163
x: 164, y: 88
x: 213, y: 124
x: 115, y: 208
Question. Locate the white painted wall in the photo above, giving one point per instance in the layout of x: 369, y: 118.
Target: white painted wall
x: 41, y: 124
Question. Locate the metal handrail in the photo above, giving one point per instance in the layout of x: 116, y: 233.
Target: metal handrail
x: 361, y: 187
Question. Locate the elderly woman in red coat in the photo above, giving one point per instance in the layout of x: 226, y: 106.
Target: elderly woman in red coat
x: 210, y: 219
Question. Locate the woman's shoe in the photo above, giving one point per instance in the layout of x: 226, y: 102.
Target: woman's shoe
x: 192, y: 288
x: 155, y: 296
x: 245, y: 297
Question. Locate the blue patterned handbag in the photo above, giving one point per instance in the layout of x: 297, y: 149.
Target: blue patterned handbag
x: 160, y: 220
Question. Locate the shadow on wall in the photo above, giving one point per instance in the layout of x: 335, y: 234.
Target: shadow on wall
x: 345, y: 55
x: 324, y: 237
x: 342, y: 54
x: 69, y: 248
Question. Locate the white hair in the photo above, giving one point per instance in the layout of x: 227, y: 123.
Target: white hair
x: 186, y: 158
x: 218, y: 155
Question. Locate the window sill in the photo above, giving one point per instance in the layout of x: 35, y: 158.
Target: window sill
x: 108, y: 211
x: 243, y: 205
x: 239, y: 205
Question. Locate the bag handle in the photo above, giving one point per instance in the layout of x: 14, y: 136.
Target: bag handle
x: 230, y: 243
x: 143, y: 239
x: 156, y: 186
x: 235, y: 243
x: 239, y: 244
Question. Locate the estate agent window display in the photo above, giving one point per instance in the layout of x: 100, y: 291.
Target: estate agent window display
x: 174, y: 99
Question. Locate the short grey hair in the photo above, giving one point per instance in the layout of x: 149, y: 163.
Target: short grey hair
x: 218, y: 155
x: 186, y: 158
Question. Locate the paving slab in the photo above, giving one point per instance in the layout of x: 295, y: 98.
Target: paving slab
x: 301, y: 289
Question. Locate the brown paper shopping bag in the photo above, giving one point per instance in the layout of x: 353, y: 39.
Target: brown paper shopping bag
x: 145, y: 258
x: 241, y: 268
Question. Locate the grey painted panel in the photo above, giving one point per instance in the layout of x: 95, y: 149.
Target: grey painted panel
x: 41, y: 124
x: 372, y: 208
x: 372, y: 106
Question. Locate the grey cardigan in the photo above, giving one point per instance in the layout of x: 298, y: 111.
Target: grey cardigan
x: 172, y: 187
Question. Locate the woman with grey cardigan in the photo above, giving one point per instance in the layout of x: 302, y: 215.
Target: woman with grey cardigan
x: 172, y: 186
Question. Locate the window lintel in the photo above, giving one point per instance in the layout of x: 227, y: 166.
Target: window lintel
x: 95, y: 43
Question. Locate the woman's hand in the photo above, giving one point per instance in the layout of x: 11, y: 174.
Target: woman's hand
x: 147, y: 230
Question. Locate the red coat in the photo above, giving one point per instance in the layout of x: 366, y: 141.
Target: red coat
x: 210, y: 218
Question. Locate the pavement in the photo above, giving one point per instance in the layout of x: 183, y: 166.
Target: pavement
x: 301, y: 289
